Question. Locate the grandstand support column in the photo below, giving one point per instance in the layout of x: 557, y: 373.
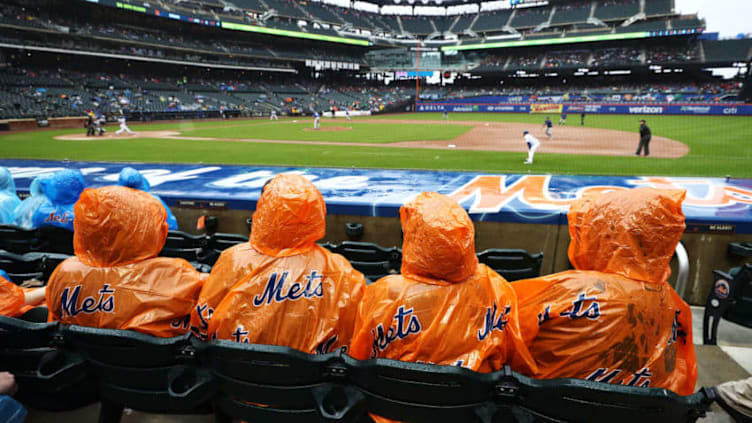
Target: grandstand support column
x: 642, y: 6
x: 545, y: 24
x: 417, y: 74
x: 470, y: 27
x: 399, y: 24
x: 593, y: 5
x: 451, y: 27
x: 746, y: 93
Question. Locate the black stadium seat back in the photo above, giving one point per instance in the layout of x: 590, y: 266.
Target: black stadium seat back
x: 741, y: 312
x: 363, y: 251
x: 17, y: 240
x: 420, y: 392
x: 221, y: 241
x: 46, y: 378
x: 372, y: 271
x: 184, y: 240
x: 297, y: 387
x: 512, y: 264
x: 18, y: 334
x: 370, y: 259
x: 141, y: 371
x: 266, y: 369
x: 54, y: 240
x: 573, y: 400
x: 730, y: 297
x: 123, y: 348
x: 22, y: 267
x: 740, y: 249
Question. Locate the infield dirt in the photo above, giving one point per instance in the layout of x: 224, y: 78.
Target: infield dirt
x: 488, y: 136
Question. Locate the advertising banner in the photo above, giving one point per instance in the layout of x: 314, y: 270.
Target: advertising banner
x: 711, y: 203
x: 546, y: 108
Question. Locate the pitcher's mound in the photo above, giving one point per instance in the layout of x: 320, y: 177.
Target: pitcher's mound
x: 330, y: 129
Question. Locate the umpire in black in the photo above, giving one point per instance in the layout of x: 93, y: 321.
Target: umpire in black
x: 645, y: 136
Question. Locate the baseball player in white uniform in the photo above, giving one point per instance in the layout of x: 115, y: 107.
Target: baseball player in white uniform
x: 316, y: 123
x: 532, y: 145
x: 347, y: 115
x: 274, y: 115
x: 123, y: 126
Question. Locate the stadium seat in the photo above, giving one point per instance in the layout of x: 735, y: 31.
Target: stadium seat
x: 199, y: 249
x: 45, y: 379
x: 729, y: 298
x: 512, y: 264
x: 140, y: 371
x: 428, y: 393
x: 273, y: 383
x: 292, y: 385
x: 193, y: 248
x: 221, y: 241
x: 740, y: 249
x: 370, y: 259
x: 37, y: 266
x: 54, y: 240
x: 16, y: 239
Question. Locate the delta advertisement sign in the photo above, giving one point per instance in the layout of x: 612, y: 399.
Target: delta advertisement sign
x: 528, y: 198
x: 576, y: 108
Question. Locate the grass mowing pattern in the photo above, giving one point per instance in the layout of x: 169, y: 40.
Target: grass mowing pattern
x: 720, y: 146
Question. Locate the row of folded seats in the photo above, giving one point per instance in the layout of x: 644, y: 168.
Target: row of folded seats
x: 33, y: 254
x: 64, y: 367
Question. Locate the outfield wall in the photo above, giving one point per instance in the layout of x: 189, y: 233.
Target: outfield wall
x: 510, y: 211
x: 487, y: 104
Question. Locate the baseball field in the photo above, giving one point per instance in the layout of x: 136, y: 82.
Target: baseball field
x: 604, y: 145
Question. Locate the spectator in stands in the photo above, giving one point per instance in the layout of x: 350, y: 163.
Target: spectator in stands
x: 445, y: 307
x: 116, y: 280
x: 24, y: 212
x: 735, y: 398
x: 131, y: 178
x: 266, y: 291
x: 11, y: 411
x: 15, y: 300
x: 8, y: 198
x: 62, y: 190
x: 615, y: 318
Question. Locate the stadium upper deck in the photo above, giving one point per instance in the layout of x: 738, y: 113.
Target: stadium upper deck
x: 177, y: 36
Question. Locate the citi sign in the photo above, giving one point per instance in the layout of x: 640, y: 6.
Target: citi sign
x: 646, y: 110
x: 730, y: 111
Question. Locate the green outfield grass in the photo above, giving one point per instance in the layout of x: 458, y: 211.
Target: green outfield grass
x: 720, y: 146
x: 355, y: 132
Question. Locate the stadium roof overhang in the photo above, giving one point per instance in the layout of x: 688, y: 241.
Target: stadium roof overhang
x: 568, y: 40
x: 145, y: 8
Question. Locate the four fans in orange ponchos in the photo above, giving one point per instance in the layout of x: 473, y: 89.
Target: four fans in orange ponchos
x: 614, y: 319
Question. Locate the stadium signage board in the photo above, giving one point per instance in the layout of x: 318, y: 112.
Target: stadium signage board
x: 694, y: 109
x: 529, y: 198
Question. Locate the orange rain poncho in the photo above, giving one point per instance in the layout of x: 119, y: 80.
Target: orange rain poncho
x: 116, y: 280
x: 12, y: 299
x: 294, y: 293
x: 615, y: 319
x: 445, y: 307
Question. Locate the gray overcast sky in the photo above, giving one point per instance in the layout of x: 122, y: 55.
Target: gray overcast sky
x: 729, y: 17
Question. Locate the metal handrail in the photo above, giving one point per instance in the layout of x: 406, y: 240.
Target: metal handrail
x: 683, y: 274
